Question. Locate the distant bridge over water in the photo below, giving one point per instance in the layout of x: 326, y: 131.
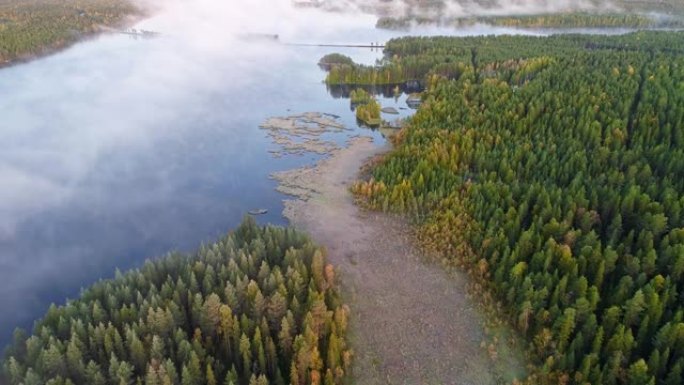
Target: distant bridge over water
x: 276, y: 38
x: 139, y: 32
x: 371, y: 45
x: 252, y: 37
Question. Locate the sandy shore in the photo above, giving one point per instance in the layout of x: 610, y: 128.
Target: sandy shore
x: 412, y: 322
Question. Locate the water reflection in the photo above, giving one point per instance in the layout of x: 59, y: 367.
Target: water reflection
x: 385, y: 91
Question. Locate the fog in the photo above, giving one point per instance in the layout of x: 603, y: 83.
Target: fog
x: 120, y: 149
x: 88, y: 109
x: 469, y: 8
x: 94, y: 107
x: 201, y: 42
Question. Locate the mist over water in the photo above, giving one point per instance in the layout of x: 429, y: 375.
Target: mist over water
x: 467, y: 8
x: 121, y: 149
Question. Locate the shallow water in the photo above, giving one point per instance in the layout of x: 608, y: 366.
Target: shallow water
x: 120, y: 149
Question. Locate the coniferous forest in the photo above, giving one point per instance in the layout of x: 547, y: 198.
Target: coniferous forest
x: 551, y: 170
x: 34, y: 27
x: 259, y: 306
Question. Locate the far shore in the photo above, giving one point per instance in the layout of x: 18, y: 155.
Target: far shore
x: 52, y: 49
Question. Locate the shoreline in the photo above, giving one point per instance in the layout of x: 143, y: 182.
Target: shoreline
x: 49, y: 50
x: 399, y: 334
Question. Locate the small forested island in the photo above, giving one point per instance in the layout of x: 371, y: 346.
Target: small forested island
x: 369, y: 113
x: 30, y: 28
x: 257, y: 307
x: 550, y: 170
x: 334, y: 59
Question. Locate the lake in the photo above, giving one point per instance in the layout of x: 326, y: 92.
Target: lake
x: 121, y: 149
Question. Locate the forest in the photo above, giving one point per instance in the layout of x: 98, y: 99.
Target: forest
x: 260, y: 306
x: 415, y: 60
x: 555, y: 20
x: 34, y: 27
x: 550, y: 169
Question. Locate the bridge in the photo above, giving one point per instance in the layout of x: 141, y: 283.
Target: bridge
x: 249, y: 36
x: 371, y: 45
x: 139, y: 33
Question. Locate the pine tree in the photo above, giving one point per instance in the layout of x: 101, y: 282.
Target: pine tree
x: 294, y: 374
x: 211, y: 316
x: 54, y: 362
x: 285, y: 338
x: 195, y: 368
x: 124, y: 374
x: 93, y: 374
x: 137, y: 353
x: 157, y: 351
x: 14, y: 370
x: 152, y: 377
x: 638, y: 374
x: 246, y: 353
x: 211, y: 379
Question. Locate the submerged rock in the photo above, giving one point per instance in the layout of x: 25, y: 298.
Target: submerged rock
x: 389, y: 110
x: 257, y: 212
x: 371, y: 122
x: 413, y: 101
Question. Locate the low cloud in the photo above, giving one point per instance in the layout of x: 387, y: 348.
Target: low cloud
x: 470, y: 8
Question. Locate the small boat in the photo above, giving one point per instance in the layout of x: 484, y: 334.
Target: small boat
x: 257, y: 212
